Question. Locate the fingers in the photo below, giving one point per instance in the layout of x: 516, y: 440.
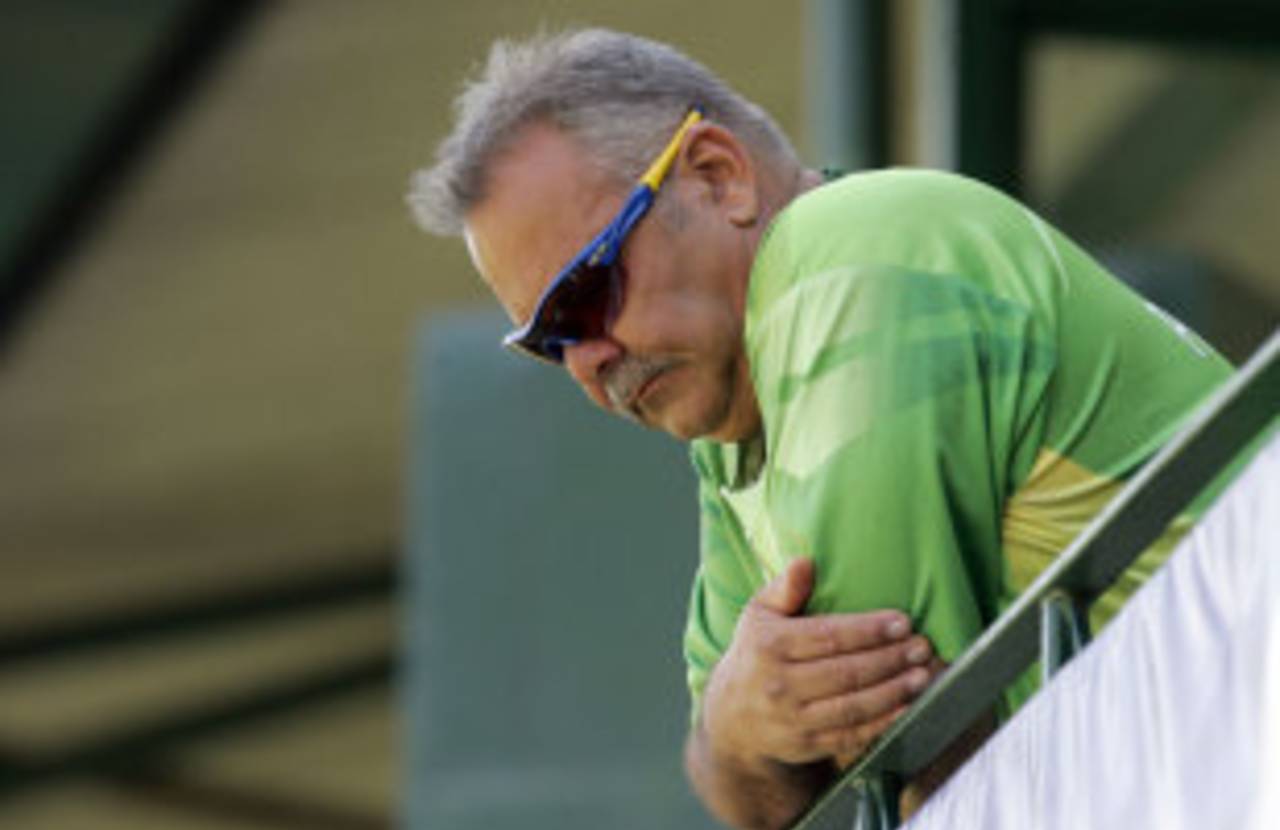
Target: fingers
x: 787, y: 592
x: 847, y: 744
x: 796, y: 689
x: 830, y: 676
x: 810, y: 638
x: 863, y: 706
x: 828, y: 635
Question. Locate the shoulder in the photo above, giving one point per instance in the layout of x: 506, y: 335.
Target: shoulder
x: 892, y: 195
x: 923, y: 221
x: 899, y: 217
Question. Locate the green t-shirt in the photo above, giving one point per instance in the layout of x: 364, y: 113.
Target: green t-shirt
x: 950, y: 390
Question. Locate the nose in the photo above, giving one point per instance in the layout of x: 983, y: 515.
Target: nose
x: 587, y: 362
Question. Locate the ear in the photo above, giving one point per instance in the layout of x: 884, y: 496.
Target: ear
x: 721, y: 163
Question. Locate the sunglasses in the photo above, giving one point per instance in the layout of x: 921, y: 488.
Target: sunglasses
x: 586, y: 296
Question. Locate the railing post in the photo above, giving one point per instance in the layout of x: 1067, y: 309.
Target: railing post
x: 877, y: 805
x: 1064, y: 631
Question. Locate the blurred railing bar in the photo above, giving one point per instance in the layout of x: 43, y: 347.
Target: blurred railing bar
x: 183, y: 58
x: 1234, y: 416
x: 140, y: 744
x: 299, y: 595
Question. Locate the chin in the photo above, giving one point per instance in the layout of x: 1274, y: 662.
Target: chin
x: 685, y: 423
x: 681, y: 433
x: 690, y: 406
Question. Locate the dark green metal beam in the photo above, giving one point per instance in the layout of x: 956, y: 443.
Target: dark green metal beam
x: 1231, y: 23
x: 989, y: 79
x: 992, y: 39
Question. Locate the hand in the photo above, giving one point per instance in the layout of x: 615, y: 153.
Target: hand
x: 795, y: 689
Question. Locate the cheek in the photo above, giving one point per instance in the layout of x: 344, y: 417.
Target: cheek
x: 675, y: 300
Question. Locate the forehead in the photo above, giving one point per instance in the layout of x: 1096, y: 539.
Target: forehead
x: 543, y: 201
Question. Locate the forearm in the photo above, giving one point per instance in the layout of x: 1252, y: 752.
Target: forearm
x: 791, y: 693
x: 761, y: 795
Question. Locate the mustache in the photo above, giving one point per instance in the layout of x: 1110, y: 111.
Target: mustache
x: 628, y: 376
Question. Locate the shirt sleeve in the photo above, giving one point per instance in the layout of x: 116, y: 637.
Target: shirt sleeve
x: 901, y: 408
x: 724, y: 583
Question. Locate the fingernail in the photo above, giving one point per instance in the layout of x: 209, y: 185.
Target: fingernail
x: 918, y: 653
x: 918, y: 680
x: 897, y: 629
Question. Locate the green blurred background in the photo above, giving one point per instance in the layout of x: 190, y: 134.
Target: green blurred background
x: 211, y: 289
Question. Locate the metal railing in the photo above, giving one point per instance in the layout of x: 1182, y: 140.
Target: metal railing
x: 1049, y: 619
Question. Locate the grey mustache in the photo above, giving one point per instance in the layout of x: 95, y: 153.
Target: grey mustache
x: 628, y: 375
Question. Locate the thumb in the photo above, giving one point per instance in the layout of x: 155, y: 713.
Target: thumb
x: 787, y: 592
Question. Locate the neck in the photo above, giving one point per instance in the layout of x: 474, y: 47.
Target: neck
x: 806, y: 179
x: 778, y: 191
x: 783, y: 187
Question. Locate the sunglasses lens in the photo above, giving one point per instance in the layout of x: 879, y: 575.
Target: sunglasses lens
x: 581, y: 307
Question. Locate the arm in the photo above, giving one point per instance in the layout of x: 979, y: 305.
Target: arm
x: 894, y: 407
x: 767, y: 796
x: 790, y: 694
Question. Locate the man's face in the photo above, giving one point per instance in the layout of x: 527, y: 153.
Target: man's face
x: 673, y: 357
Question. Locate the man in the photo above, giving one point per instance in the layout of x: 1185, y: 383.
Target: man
x: 903, y: 390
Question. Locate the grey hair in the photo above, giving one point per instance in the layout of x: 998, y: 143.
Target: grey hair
x: 619, y: 95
